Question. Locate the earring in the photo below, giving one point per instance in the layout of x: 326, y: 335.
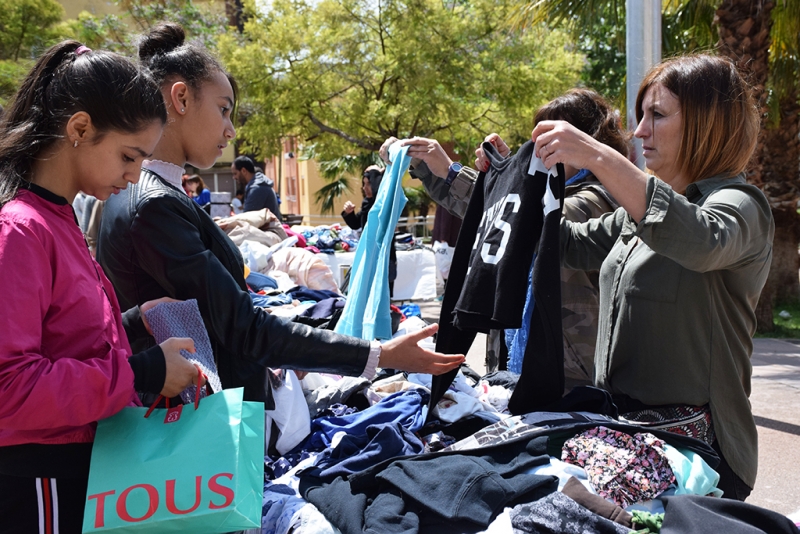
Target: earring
x: 75, y: 144
x: 183, y: 110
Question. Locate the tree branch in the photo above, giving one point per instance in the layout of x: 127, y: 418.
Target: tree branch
x: 349, y: 138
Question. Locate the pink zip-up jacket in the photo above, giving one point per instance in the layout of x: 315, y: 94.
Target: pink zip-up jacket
x: 63, y: 350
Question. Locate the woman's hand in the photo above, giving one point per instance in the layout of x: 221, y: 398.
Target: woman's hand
x: 384, y: 150
x: 152, y: 304
x: 561, y: 142
x: 404, y: 354
x: 181, y: 373
x: 349, y: 207
x: 431, y: 152
x: 481, y: 161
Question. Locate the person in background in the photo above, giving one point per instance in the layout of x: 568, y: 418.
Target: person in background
x: 371, y: 176
x: 185, y: 184
x: 200, y: 192
x: 156, y: 241
x: 237, y: 204
x: 370, y: 182
x: 81, y: 121
x: 78, y: 205
x: 258, y: 189
x: 682, y: 262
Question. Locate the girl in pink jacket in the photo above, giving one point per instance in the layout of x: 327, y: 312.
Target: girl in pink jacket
x: 82, y: 121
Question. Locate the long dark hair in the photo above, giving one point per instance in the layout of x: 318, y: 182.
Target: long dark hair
x: 167, y: 56
x: 110, y: 88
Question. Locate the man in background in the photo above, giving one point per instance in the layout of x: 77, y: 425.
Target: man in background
x: 258, y: 189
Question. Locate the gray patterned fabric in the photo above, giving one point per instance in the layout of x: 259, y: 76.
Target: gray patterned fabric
x: 558, y: 514
x: 183, y: 319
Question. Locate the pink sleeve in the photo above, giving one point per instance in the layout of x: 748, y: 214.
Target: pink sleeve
x: 54, y: 390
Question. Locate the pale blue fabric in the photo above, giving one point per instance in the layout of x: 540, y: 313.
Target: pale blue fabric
x: 692, y: 474
x: 367, y: 314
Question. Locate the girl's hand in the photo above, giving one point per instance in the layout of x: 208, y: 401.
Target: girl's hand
x: 181, y: 373
x: 404, y: 354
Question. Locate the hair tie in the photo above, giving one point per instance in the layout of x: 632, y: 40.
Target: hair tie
x: 82, y: 49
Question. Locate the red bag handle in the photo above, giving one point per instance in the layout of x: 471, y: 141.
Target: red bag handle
x: 166, y: 399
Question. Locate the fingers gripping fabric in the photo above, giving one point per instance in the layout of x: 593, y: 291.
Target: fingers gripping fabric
x: 183, y: 319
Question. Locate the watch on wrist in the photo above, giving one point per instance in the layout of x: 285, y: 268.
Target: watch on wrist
x: 452, y: 172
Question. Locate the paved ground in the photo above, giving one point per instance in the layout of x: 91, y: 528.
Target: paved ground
x: 776, y: 405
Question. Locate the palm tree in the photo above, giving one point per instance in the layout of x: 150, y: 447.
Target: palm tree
x: 337, y: 173
x: 761, y: 37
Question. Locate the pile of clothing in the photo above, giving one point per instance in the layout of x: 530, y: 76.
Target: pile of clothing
x: 328, y: 239
x: 372, y: 457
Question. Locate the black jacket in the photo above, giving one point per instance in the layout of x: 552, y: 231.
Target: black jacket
x: 358, y: 220
x: 156, y: 241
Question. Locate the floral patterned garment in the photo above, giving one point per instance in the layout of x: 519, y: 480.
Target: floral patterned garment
x: 622, y: 468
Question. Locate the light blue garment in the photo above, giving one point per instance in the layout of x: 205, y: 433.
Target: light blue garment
x: 692, y: 474
x: 517, y: 338
x: 367, y: 314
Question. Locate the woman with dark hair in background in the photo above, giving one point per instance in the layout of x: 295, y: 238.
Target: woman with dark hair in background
x: 156, y: 242
x: 370, y: 182
x: 81, y: 121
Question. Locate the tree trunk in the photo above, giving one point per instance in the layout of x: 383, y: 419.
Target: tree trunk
x: 781, y: 183
x: 744, y: 37
x: 782, y: 283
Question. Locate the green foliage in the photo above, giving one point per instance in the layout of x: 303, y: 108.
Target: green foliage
x: 330, y: 192
x: 24, y: 26
x: 785, y: 327
x: 108, y: 32
x: 598, y: 28
x: 784, y: 54
x: 338, y: 172
x: 119, y: 32
x: 419, y: 200
x: 687, y: 26
x: 347, y: 74
x: 11, y: 75
x: 199, y: 20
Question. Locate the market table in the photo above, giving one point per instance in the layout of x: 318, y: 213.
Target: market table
x: 416, y: 272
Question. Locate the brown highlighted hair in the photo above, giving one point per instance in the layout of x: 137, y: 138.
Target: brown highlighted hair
x: 590, y: 113
x: 110, y: 88
x: 719, y: 118
x: 196, y: 179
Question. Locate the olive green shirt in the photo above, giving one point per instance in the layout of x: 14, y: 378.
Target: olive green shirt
x: 678, y: 293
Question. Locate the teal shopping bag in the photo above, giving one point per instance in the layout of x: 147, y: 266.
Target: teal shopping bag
x: 180, y: 469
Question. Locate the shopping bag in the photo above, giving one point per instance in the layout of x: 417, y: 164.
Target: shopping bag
x: 192, y: 468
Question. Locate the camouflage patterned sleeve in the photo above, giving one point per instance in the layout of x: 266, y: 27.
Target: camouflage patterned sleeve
x: 586, y: 204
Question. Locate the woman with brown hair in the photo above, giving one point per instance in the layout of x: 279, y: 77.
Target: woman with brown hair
x: 200, y: 192
x: 683, y: 262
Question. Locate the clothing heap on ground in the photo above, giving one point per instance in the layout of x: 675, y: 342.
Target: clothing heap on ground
x: 369, y: 456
